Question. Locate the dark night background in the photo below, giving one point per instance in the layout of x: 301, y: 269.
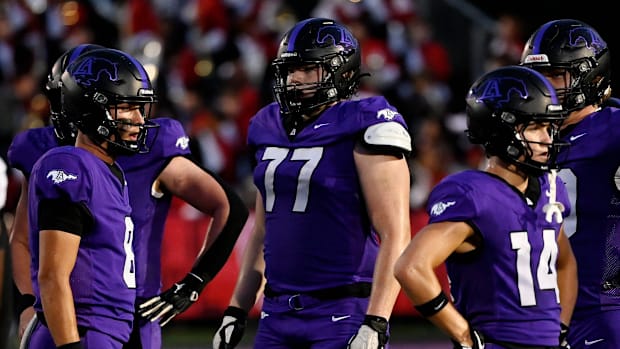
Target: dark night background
x: 534, y: 13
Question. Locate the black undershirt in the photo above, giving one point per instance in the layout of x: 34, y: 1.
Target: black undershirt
x: 68, y: 216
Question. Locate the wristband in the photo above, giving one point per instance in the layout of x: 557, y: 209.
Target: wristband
x: 74, y: 345
x: 433, y: 306
x: 377, y: 323
x: 24, y: 301
x: 236, y: 312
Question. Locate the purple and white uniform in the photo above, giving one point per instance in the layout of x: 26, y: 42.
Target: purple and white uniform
x: 103, y: 278
x: 318, y: 233
x: 507, y: 288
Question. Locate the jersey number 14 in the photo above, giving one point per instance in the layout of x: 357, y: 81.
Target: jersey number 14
x: 545, y: 272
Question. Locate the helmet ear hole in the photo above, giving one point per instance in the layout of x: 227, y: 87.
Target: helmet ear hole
x: 513, y: 151
x: 103, y: 131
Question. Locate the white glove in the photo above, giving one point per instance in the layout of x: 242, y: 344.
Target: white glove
x: 373, y: 334
x: 231, y: 330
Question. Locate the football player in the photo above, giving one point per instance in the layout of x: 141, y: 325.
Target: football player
x: 499, y: 230
x: 153, y: 177
x: 333, y: 182
x: 81, y: 233
x: 26, y: 148
x: 577, y: 62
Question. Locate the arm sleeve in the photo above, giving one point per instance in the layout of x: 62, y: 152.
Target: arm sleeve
x: 211, y: 262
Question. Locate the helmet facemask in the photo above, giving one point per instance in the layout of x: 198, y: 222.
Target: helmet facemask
x: 112, y: 129
x: 581, y: 88
x: 336, y: 81
x: 316, y: 42
x: 520, y: 150
x: 575, y: 48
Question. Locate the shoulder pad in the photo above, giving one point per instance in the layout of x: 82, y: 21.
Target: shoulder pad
x: 390, y: 134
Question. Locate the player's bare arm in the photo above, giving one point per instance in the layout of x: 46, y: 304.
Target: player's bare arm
x: 385, y: 183
x: 58, y: 253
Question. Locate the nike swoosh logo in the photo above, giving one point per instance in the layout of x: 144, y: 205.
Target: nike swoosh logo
x: 587, y: 342
x: 572, y: 138
x: 320, y: 125
x: 338, y: 318
x: 440, y: 305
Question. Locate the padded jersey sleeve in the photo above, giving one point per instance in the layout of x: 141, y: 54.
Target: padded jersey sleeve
x: 451, y: 201
x: 28, y: 146
x: 383, y: 125
x: 15, y: 154
x: 377, y: 109
x: 62, y: 175
x: 171, y: 139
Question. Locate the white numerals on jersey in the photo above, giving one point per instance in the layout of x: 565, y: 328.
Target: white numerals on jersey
x: 311, y: 156
x: 545, y: 271
x: 570, y: 180
x: 129, y: 270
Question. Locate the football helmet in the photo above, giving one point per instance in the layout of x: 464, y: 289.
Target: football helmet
x: 499, y: 106
x: 323, y: 43
x: 102, y: 78
x: 573, y: 46
x: 65, y: 131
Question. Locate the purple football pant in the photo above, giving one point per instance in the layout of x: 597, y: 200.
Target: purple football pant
x: 145, y: 335
x: 308, y: 323
x: 596, y: 331
x: 41, y: 338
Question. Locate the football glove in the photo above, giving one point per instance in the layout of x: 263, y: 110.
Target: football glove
x: 173, y: 301
x: 231, y: 331
x: 373, y: 334
x: 476, y: 337
x: 563, y: 334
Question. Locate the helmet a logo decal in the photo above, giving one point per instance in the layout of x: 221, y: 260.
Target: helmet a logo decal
x: 336, y: 35
x: 59, y: 176
x: 93, y: 69
x: 440, y: 207
x: 499, y: 90
x: 585, y: 36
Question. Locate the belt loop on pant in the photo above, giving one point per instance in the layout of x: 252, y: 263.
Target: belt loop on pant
x: 294, y: 302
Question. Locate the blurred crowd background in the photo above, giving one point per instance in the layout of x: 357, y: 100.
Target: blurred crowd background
x: 209, y: 60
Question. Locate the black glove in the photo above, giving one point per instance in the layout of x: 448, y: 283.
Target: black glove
x: 563, y: 334
x: 231, y: 330
x: 173, y: 301
x: 476, y: 337
x: 372, y: 334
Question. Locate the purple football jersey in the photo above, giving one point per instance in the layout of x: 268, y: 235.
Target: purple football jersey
x: 103, y: 278
x: 592, y: 169
x: 318, y: 233
x: 29, y: 145
x: 150, y: 208
x: 508, y: 288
